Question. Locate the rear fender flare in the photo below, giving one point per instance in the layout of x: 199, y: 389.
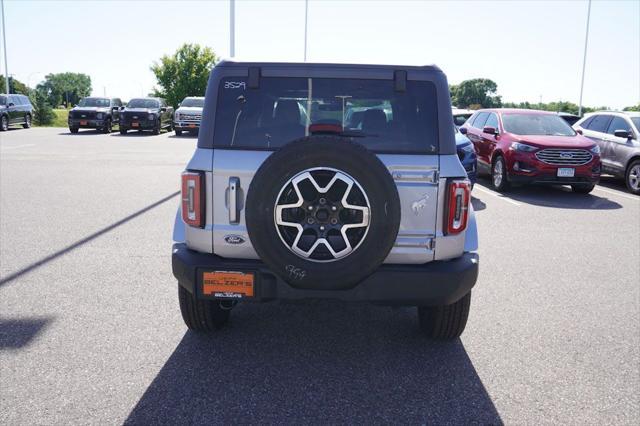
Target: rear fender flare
x: 471, y: 233
x: 178, y: 227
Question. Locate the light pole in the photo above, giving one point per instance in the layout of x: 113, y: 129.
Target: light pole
x: 306, y: 18
x: 4, y: 42
x: 232, y: 27
x: 584, y: 59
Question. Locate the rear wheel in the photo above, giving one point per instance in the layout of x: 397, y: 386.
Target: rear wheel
x: 157, y: 128
x: 499, y: 175
x: 27, y: 121
x: 4, y: 123
x: 202, y: 315
x: 445, y: 322
x: 178, y: 132
x: 582, y: 189
x: 632, y: 177
x: 123, y: 131
x: 73, y: 129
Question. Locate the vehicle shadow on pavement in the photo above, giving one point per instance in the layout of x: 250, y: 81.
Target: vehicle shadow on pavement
x: 14, y: 275
x: 89, y: 132
x: 316, y: 362
x: 614, y: 183
x: 478, y: 204
x: 560, y: 197
x: 184, y: 136
x: 19, y: 332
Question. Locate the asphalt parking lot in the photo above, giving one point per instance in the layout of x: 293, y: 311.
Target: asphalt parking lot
x: 91, y: 333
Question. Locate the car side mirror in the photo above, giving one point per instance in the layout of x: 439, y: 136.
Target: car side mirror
x: 11, y: 104
x: 622, y: 134
x: 490, y: 130
x: 579, y: 131
x: 121, y: 108
x: 180, y: 104
x: 463, y: 130
x: 163, y: 109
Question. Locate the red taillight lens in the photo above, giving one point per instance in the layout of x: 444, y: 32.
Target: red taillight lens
x: 193, y: 198
x: 458, y: 206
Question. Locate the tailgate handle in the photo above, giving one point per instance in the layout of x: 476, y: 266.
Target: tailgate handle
x: 234, y: 213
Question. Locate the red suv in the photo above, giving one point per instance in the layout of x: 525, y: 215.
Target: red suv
x: 522, y: 146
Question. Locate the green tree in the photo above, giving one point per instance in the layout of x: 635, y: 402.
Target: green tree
x: 185, y: 73
x: 15, y: 86
x: 42, y: 112
x: 478, y: 92
x: 632, y: 108
x: 66, y: 87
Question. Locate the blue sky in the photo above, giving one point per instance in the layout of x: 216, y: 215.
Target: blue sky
x: 532, y: 49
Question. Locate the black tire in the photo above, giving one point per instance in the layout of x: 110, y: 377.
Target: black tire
x: 27, y: 121
x: 633, y: 175
x: 329, y: 152
x: 73, y: 129
x: 107, y: 128
x: 157, y: 128
x: 445, y: 322
x: 123, y: 131
x: 582, y: 188
x: 4, y: 123
x: 502, y: 184
x: 178, y: 132
x: 201, y: 315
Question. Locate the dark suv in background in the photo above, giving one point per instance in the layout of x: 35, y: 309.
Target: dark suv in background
x: 95, y: 113
x: 15, y: 110
x: 146, y: 114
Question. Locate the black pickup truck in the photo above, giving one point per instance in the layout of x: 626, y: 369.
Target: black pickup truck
x: 95, y: 113
x: 146, y: 114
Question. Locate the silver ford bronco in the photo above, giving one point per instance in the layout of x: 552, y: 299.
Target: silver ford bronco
x: 326, y: 181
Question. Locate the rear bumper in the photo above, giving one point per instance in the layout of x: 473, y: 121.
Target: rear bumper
x: 431, y: 284
x: 552, y: 179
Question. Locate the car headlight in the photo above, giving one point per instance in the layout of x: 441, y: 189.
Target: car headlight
x: 595, y: 150
x: 523, y: 147
x: 177, y: 116
x: 152, y: 116
x: 469, y: 149
x: 99, y: 116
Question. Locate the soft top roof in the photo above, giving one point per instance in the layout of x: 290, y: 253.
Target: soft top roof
x: 243, y: 64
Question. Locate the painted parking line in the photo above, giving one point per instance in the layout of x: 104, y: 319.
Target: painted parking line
x: 6, y: 148
x: 619, y: 194
x: 495, y: 194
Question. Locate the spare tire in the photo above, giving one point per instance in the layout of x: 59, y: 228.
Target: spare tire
x: 323, y: 213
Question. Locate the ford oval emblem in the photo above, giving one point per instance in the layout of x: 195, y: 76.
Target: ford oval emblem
x: 566, y: 155
x: 234, y: 239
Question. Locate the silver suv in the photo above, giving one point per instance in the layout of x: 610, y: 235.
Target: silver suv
x: 188, y: 116
x: 326, y: 181
x: 618, y: 135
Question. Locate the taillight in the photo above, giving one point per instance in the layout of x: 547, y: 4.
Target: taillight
x: 458, y: 206
x: 193, y: 198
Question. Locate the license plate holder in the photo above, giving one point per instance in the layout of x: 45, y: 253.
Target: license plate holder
x: 83, y: 122
x: 134, y: 124
x: 228, y: 284
x: 566, y: 172
x: 192, y: 125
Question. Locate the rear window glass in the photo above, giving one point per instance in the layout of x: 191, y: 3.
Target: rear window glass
x: 3, y: 100
x: 536, y: 124
x: 369, y: 111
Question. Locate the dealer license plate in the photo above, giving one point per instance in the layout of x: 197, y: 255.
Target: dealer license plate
x: 566, y: 172
x: 83, y: 123
x: 135, y: 124
x: 227, y: 284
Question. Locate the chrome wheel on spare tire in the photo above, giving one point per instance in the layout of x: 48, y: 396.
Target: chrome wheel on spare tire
x: 317, y: 218
x: 322, y: 214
